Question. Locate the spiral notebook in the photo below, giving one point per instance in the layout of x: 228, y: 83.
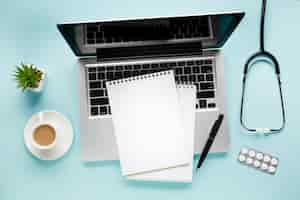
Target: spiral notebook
x: 187, y: 98
x: 147, y: 123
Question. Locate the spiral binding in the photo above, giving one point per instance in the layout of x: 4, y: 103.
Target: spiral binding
x: 186, y: 85
x: 140, y: 77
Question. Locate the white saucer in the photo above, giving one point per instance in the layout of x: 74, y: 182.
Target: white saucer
x: 64, y: 137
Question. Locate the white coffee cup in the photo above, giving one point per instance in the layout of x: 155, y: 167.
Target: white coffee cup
x: 43, y: 148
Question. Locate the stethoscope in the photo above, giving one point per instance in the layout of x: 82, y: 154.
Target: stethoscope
x: 262, y: 55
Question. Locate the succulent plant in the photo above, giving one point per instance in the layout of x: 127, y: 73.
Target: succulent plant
x: 27, y: 76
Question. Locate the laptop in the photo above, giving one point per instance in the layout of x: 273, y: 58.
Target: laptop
x: 115, y: 49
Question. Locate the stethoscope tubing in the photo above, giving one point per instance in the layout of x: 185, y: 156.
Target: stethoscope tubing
x: 262, y: 53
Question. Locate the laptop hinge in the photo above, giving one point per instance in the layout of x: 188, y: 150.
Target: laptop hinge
x: 178, y: 49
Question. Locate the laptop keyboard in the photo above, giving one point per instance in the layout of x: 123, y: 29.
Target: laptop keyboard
x: 199, y: 72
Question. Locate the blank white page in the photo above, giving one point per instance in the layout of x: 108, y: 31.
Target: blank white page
x: 147, y: 122
x: 187, y: 100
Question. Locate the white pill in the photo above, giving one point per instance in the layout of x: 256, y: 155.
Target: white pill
x: 271, y: 169
x: 264, y: 166
x: 252, y: 153
x: 242, y: 158
x: 244, y: 150
x: 249, y: 161
x: 259, y: 156
x: 274, y: 161
x: 256, y: 163
x: 267, y: 158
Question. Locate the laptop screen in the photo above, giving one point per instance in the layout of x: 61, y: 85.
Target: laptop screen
x: 211, y: 30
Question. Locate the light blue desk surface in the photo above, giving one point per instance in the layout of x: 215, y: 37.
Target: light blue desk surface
x: 28, y: 33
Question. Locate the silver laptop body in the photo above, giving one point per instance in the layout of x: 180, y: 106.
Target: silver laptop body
x: 104, y: 56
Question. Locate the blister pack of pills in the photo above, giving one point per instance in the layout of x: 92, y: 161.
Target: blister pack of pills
x: 258, y: 160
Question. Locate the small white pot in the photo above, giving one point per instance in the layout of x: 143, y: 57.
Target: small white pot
x: 41, y: 84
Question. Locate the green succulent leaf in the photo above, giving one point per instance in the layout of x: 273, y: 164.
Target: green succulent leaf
x: 27, y: 76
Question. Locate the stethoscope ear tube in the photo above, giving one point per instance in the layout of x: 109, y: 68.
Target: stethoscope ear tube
x: 253, y: 59
x: 261, y: 54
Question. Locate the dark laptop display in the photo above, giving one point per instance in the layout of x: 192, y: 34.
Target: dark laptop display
x: 211, y: 30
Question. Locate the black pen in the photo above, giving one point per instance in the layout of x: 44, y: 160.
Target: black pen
x: 213, y: 132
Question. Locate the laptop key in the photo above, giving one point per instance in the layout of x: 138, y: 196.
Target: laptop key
x: 182, y: 63
x: 101, y: 75
x: 206, y: 69
x: 96, y: 93
x: 201, y: 77
x: 103, y: 110
x: 202, y: 103
x: 178, y: 71
x: 206, y: 86
x: 192, y: 78
x: 173, y: 64
x: 205, y: 94
x: 128, y: 67
x: 91, y: 69
x: 211, y: 105
x: 96, y: 84
x: 135, y: 73
x: 209, y: 77
x: 146, y: 66
x: 190, y: 62
x: 100, y: 69
x: 94, y: 110
x: 110, y: 75
x: 108, y: 110
x: 187, y: 70
x: 99, y: 101
x: 199, y: 62
x: 137, y: 67
x: 208, y: 62
x: 118, y: 75
x: 92, y: 76
x: 103, y: 84
x: 164, y: 65
x: 184, y: 78
x: 169, y: 65
x: 144, y: 72
x: 154, y: 66
x: 119, y: 67
x: 196, y: 69
x: 127, y: 74
x: 110, y: 68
